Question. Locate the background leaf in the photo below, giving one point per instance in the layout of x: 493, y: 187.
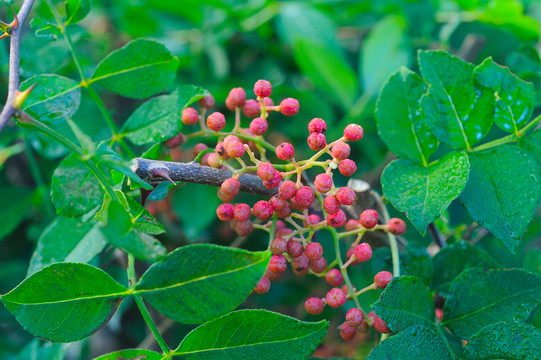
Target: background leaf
x: 131, y: 354
x: 532, y: 143
x: 16, y: 203
x: 240, y: 335
x: 203, y: 281
x: 77, y: 10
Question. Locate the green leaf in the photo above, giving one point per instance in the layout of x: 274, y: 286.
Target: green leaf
x: 416, y: 261
x: 39, y: 350
x: 67, y: 239
x: 74, y: 189
x: 383, y: 52
x: 484, y: 297
x: 159, y: 118
x: 140, y: 69
x: 77, y: 10
x: 535, y: 317
x: 44, y: 29
x: 131, y: 354
x: 161, y: 190
x: 416, y: 342
x: 503, y: 192
x: 405, y: 302
x: 450, y: 261
x: 514, y: 97
x: 253, y: 334
x: 54, y: 98
x: 144, y: 220
x: 532, y: 261
x: 504, y: 341
x: 532, y: 143
x: 424, y: 193
x: 65, y: 302
x: 16, y: 203
x: 509, y: 14
x: 456, y: 112
x: 327, y: 70
x: 202, y: 282
x: 399, y: 120
x: 84, y: 140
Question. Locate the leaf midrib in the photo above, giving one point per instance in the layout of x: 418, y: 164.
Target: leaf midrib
x: 127, y: 70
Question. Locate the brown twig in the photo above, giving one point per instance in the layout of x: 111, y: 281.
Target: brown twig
x: 14, y: 59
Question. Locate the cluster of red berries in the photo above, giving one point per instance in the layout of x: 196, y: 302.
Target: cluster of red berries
x: 293, y: 204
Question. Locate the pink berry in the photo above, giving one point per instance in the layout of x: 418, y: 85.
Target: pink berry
x: 363, y: 252
x: 334, y: 277
x: 363, y: 328
x: 214, y: 160
x: 382, y: 279
x: 312, y: 220
x: 277, y: 264
x: 268, y: 102
x: 259, y: 126
x: 335, y: 298
x: 354, y: 317
x: 263, y: 285
x: 236, y: 98
x: 336, y: 220
x: 283, y: 213
x: 289, y: 106
x: 347, y: 332
x: 271, y: 275
x: 323, y: 183
x: 262, y: 88
x: 175, y: 141
x: 266, y: 171
x: 314, y: 306
x: 347, y: 167
x: 278, y: 203
x: 305, y: 197
x: 242, y: 212
x: 369, y: 218
x: 331, y: 205
x: 285, y: 151
x: 316, y: 141
x: 226, y: 198
x: 378, y: 323
x: 216, y: 121
x: 353, y: 132
x: 207, y: 102
x: 397, y: 226
x: 262, y: 210
x: 294, y: 248
x: 251, y: 108
x: 225, y: 212
x: 439, y: 314
x: 345, y: 196
x: 280, y: 225
x: 349, y: 254
x: 287, y: 190
x: 190, y: 116
x: 283, y: 232
x: 278, y: 246
x: 230, y: 186
x: 244, y: 228
x: 340, y: 150
x: 199, y: 147
x: 352, y: 225
x: 274, y: 182
x: 300, y: 264
x: 318, y: 266
x: 235, y: 149
x: 220, y: 150
x: 314, y: 251
x: 317, y: 125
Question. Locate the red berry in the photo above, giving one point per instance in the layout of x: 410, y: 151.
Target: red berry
x: 336, y: 220
x: 251, y: 108
x: 204, y: 160
x: 378, y: 323
x: 347, y: 332
x: 289, y: 106
x: 216, y: 121
x: 263, y: 285
x: 230, y: 187
x: 242, y: 212
x: 199, y: 147
x: 316, y: 141
x: 226, y: 198
x: 225, y: 212
x: 285, y: 151
x: 236, y: 98
x: 271, y: 184
x: 345, y: 196
x: 175, y: 141
x: 283, y: 213
x: 345, y: 289
x: 283, y: 232
x: 382, y: 279
x: 363, y: 327
x: 207, y: 102
x: 235, y: 149
x: 314, y: 306
x: 277, y: 264
x: 318, y: 266
x: 335, y: 298
x: 300, y: 264
x: 271, y: 275
x: 369, y: 218
x: 190, y: 116
x: 397, y: 226
x: 353, y: 132
x: 259, y: 126
x: 354, y: 317
x: 352, y: 225
x: 331, y: 205
x: 287, y: 190
x: 268, y: 102
x: 278, y: 203
x: 363, y: 252
x: 349, y: 254
x: 340, y: 150
x: 215, y: 160
x: 294, y: 248
x: 278, y: 246
x: 439, y: 314
x: 317, y: 125
x: 266, y: 171
x: 334, y: 277
x: 280, y: 225
x: 314, y: 251
x: 312, y: 220
x: 323, y: 183
x: 262, y: 210
x: 220, y: 150
x: 305, y: 197
x: 347, y: 167
x: 244, y: 228
x: 262, y: 88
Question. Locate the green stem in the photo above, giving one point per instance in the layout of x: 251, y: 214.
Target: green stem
x: 256, y: 139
